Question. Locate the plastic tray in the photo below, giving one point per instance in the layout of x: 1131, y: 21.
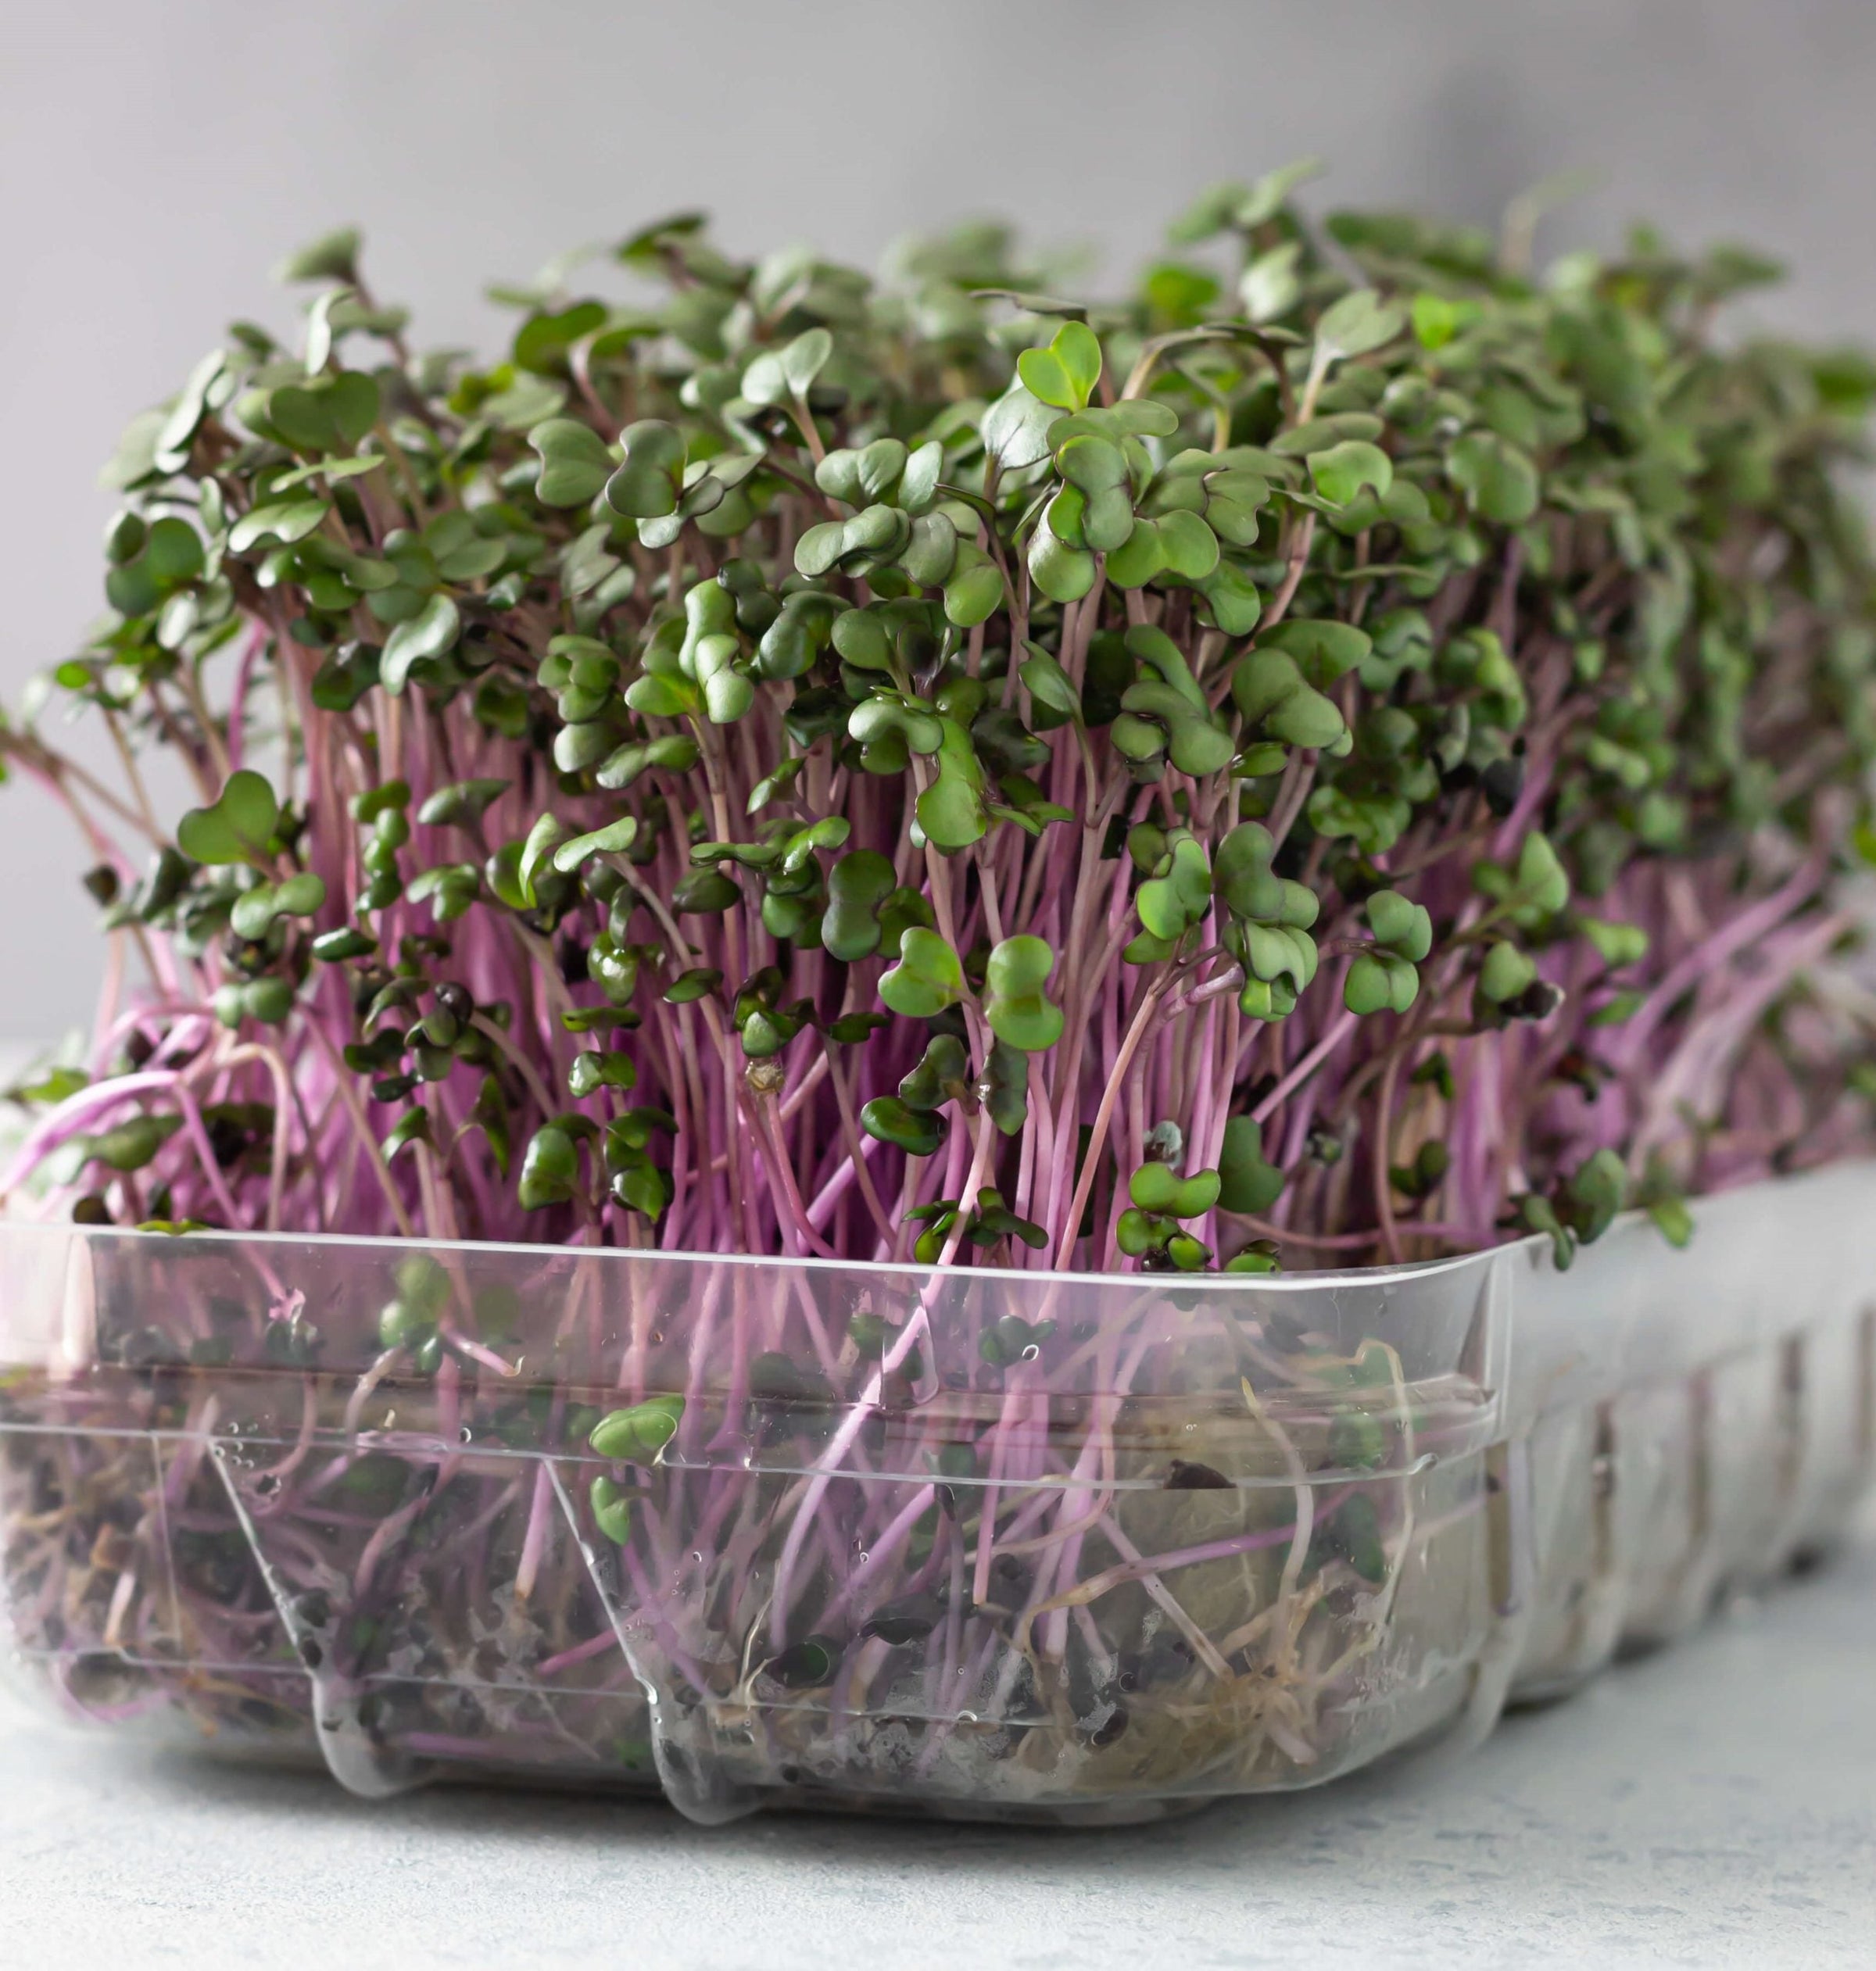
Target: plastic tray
x: 976, y: 1543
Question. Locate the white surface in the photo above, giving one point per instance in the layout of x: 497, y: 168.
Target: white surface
x: 1715, y: 1804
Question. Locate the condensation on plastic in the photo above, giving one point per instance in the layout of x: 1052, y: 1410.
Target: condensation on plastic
x: 1078, y: 1549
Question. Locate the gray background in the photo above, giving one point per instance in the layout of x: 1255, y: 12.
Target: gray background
x: 155, y: 160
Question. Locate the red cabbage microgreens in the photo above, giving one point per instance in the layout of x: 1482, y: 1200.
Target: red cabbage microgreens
x: 1288, y: 765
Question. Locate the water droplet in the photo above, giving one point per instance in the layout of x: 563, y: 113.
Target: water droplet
x: 466, y: 1435
x: 698, y: 1558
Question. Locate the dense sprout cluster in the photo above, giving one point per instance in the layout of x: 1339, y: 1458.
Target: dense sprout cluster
x: 1349, y: 751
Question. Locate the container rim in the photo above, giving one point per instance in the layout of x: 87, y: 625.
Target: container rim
x: 1534, y: 1247
x: 1331, y: 1278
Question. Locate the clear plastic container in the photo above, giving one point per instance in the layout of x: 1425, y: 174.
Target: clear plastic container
x: 975, y: 1542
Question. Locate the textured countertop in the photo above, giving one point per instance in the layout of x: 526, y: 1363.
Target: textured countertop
x: 1715, y: 1804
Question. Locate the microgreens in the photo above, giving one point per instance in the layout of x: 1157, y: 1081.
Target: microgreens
x: 801, y: 766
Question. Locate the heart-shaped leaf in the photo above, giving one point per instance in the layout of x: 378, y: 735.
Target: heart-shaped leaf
x: 302, y: 416
x: 1049, y: 685
x: 1188, y: 546
x: 1139, y: 558
x: 915, y: 1132
x: 856, y: 885
x: 285, y: 521
x: 1231, y: 600
x: 615, y: 839
x: 612, y: 1504
x: 255, y: 910
x: 1015, y: 1006
x: 1324, y: 649
x: 919, y: 483
x: 323, y: 322
x: 951, y: 810
x: 1379, y: 982
x: 1270, y: 285
x: 1063, y: 574
x: 805, y: 358
x: 1506, y: 972
x: 1015, y: 429
x: 1498, y: 478
x: 237, y: 828
x: 1247, y: 1184
x: 1094, y: 464
x: 334, y: 257
x: 575, y: 463
x: 649, y: 483
x: 1397, y: 921
x: 353, y: 399
x: 171, y: 442
x: 637, y: 1435
x: 431, y: 633
x: 461, y: 804
x: 536, y: 853
x: 1344, y: 469
x: 1065, y: 373
x: 1616, y: 944
x: 550, y: 1171
x: 172, y: 552
x: 1360, y: 321
x: 927, y: 978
